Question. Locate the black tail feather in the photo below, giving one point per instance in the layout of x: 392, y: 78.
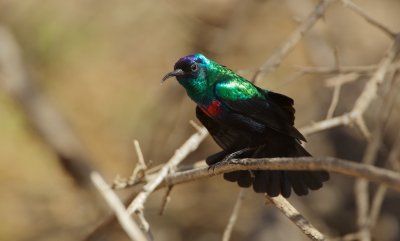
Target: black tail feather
x: 276, y: 182
x: 244, y: 179
x: 231, y: 176
x: 311, y: 180
x: 285, y: 185
x: 298, y: 185
x: 274, y: 185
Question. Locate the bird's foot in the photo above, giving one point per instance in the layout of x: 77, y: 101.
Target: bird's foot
x: 237, y: 153
x: 214, y: 166
x: 228, y: 158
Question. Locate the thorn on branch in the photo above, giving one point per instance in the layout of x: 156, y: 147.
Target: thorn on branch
x: 360, y: 121
x: 181, y: 153
x: 144, y: 224
x: 334, y: 102
x: 166, y: 200
x: 140, y: 170
x: 138, y: 173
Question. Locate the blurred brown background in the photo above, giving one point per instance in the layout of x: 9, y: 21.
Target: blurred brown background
x: 101, y: 62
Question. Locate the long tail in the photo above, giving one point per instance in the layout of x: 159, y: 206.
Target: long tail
x: 276, y: 182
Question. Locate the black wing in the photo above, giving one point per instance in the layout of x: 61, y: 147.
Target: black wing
x: 275, y: 111
x: 285, y: 103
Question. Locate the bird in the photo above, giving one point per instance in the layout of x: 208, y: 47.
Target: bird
x: 246, y: 121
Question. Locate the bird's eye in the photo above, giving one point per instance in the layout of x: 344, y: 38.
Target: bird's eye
x: 194, y: 67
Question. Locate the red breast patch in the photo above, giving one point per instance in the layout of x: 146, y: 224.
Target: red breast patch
x: 213, y: 109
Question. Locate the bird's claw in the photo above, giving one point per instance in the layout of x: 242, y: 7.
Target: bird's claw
x: 229, y: 159
x: 218, y: 164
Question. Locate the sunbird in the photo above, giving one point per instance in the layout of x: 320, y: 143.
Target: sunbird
x: 246, y: 121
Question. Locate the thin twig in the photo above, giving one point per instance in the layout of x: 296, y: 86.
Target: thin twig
x: 232, y: 219
x: 342, y: 120
x: 141, y: 166
x: 42, y: 115
x: 334, y: 102
x: 362, y: 69
x: 348, y: 237
x: 362, y: 126
x: 351, y: 5
x: 280, y: 53
x: 166, y: 200
x: 362, y: 206
x: 376, y: 205
x: 361, y: 185
x: 190, y: 145
x: 139, y: 154
x: 295, y: 216
x: 394, y: 153
x: 380, y: 193
x: 370, y: 90
x: 362, y: 103
x: 387, y: 107
x: 144, y: 224
x: 337, y: 87
x: 196, y: 126
x: 129, y: 226
x: 341, y: 79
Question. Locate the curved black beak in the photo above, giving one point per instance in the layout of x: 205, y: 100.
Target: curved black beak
x: 172, y: 74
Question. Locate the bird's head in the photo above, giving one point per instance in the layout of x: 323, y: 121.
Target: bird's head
x: 190, y: 68
x: 196, y: 74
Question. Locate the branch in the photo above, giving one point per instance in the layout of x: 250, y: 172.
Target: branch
x: 334, y: 102
x: 190, y: 145
x: 380, y: 193
x: 166, y: 200
x: 366, y: 97
x: 42, y: 115
x: 344, y: 167
x: 198, y: 171
x: 54, y: 131
x: 139, y: 172
x: 154, y: 178
x: 229, y: 227
x: 280, y: 53
x: 351, y: 5
x: 362, y: 69
x: 299, y: 220
x: 349, y: 237
x: 361, y: 185
x: 376, y: 205
x: 113, y: 201
x: 370, y: 89
x: 141, y: 163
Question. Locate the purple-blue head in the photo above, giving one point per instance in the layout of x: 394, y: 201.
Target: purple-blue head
x: 190, y: 67
x: 197, y: 74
